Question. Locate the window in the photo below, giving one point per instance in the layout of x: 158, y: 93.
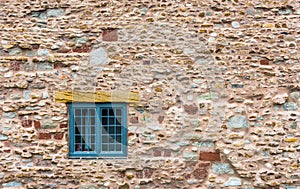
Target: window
x: 97, y: 130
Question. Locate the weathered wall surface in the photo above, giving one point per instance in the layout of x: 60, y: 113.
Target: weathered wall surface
x: 218, y: 84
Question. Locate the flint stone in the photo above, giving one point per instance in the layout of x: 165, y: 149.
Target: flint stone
x: 43, y: 52
x: 188, y: 156
x: 44, y: 66
x: 3, y: 137
x: 15, y: 96
x: 295, y: 95
x: 11, y: 184
x: 154, y: 127
x: 238, y: 122
x: 10, y: 115
x: 280, y: 98
x: 55, y: 12
x: 235, y: 24
x: 290, y: 106
x: 233, y: 181
x: 222, y: 168
x: 98, y: 56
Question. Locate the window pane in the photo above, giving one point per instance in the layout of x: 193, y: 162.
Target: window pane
x: 92, y: 112
x: 93, y: 129
x: 84, y: 112
x: 104, y: 121
x: 118, y: 130
x: 93, y: 147
x: 111, y: 139
x: 111, y: 121
x: 104, y: 112
x: 118, y: 112
x: 111, y: 112
x: 77, y: 138
x: 118, y: 121
x: 77, y: 121
x: 118, y: 138
x: 111, y: 147
x: 93, y: 139
x: 104, y: 147
x: 118, y: 147
x: 77, y: 112
x: 111, y: 130
x: 105, y: 138
x: 105, y: 130
x: 93, y: 121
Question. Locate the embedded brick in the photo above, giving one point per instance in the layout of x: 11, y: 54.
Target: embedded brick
x: 110, y: 35
x: 210, y: 156
x: 44, y: 136
x: 27, y: 123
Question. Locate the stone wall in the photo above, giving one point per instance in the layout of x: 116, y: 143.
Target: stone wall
x: 218, y: 83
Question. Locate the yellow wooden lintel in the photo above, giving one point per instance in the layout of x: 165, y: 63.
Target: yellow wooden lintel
x: 98, y: 96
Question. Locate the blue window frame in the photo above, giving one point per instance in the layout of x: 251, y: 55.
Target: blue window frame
x: 97, y: 130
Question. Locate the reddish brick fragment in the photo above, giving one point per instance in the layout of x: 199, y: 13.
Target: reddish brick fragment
x: 59, y: 136
x: 27, y: 123
x: 190, y: 109
x: 36, y: 124
x: 110, y: 35
x: 63, y: 125
x: 210, y: 156
x: 134, y: 120
x: 44, y: 136
x: 204, y: 164
x: 148, y: 173
x: 167, y: 153
x: 63, y: 50
x: 200, y: 173
x: 139, y: 174
x: 83, y: 49
x: 7, y: 150
x: 35, y: 46
x: 161, y: 119
x: 15, y: 66
x: 264, y: 62
x: 156, y: 152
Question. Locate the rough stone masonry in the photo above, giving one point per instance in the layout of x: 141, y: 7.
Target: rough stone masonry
x: 218, y: 86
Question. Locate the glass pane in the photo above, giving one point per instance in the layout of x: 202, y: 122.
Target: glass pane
x: 111, y: 112
x: 93, y: 121
x: 77, y: 121
x: 118, y: 147
x: 119, y: 121
x: 92, y: 112
x: 105, y: 130
x: 118, y: 112
x: 84, y: 112
x: 104, y: 121
x: 93, y: 129
x: 105, y: 138
x: 104, y: 112
x: 111, y: 147
x: 77, y: 130
x: 111, y: 121
x: 77, y: 138
x: 93, y: 147
x: 78, y: 147
x: 111, y: 130
x: 111, y: 140
x: 104, y: 147
x: 118, y: 130
x: 118, y: 138
x: 77, y: 112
